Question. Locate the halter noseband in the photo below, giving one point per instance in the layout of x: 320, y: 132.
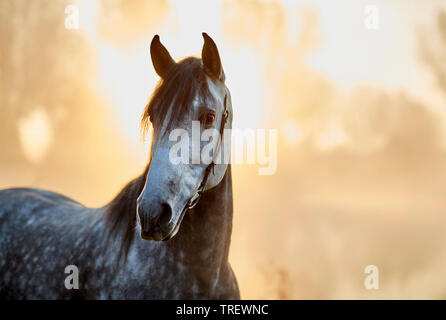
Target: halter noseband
x: 196, y: 197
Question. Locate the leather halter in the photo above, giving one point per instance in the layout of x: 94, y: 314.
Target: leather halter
x: 196, y: 197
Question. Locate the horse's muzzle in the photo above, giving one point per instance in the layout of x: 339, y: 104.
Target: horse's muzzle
x: 155, y: 220
x: 152, y: 235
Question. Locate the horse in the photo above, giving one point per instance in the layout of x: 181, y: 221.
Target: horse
x: 166, y: 235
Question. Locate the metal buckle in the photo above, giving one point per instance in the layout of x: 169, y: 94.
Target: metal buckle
x: 193, y: 201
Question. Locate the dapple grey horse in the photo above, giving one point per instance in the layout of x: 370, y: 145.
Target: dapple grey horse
x: 154, y: 240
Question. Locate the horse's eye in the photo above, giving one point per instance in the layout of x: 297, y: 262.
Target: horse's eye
x: 208, y: 118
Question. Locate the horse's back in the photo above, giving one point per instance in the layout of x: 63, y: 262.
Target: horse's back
x: 38, y: 230
x: 25, y: 203
x: 17, y: 195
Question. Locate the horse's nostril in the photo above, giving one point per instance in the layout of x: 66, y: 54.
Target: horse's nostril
x: 165, y: 215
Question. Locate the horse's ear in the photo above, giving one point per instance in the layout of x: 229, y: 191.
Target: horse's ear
x: 161, y: 59
x: 211, y: 58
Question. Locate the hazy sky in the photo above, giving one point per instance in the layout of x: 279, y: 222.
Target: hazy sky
x: 346, y: 53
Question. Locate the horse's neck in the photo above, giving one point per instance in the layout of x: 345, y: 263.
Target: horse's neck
x: 202, y: 242
x: 204, y: 235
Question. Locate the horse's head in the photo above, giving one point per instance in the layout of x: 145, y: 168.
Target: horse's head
x: 191, y: 97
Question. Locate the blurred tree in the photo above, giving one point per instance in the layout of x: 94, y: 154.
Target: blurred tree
x: 41, y: 65
x: 435, y: 58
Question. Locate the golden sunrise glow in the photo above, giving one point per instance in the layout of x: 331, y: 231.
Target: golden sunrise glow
x: 36, y: 135
x: 348, y: 54
x: 359, y: 114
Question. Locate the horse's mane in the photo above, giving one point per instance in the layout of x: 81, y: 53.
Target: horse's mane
x: 121, y: 214
x: 176, y: 89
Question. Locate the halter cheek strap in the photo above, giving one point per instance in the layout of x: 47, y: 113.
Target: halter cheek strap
x: 196, y: 197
